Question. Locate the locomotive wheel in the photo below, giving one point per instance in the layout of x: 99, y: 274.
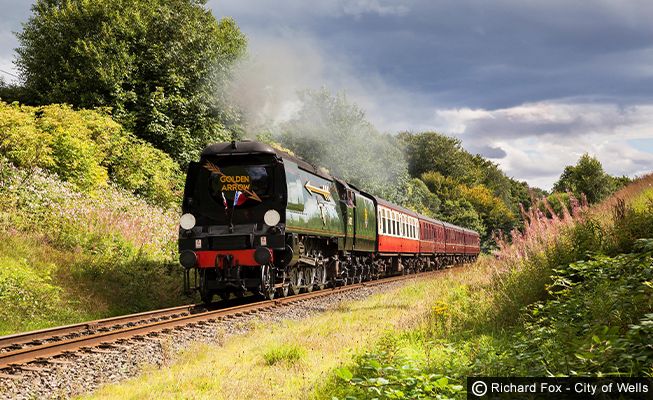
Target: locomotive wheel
x: 284, y: 290
x: 267, y: 282
x: 309, y: 279
x: 224, y: 295
x: 321, y: 277
x: 294, y: 281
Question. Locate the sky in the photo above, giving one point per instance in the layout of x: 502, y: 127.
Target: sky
x: 532, y: 85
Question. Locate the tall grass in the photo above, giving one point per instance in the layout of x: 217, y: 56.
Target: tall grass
x: 558, y: 297
x: 70, y: 255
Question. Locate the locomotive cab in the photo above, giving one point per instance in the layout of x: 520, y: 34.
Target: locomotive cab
x: 232, y: 230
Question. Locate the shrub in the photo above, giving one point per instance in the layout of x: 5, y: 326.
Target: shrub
x: 108, y: 222
x: 87, y: 148
x: 385, y: 374
x: 596, y: 319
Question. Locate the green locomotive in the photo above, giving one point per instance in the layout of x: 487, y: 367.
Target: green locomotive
x: 257, y: 219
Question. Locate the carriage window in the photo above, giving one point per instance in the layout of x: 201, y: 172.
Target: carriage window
x: 395, y: 225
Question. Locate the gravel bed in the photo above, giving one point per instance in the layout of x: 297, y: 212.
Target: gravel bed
x: 84, y: 372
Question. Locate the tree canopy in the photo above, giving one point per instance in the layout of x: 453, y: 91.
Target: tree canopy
x: 160, y: 65
x: 586, y: 177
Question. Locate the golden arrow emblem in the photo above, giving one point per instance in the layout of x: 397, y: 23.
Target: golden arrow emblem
x: 322, y: 191
x: 213, y: 168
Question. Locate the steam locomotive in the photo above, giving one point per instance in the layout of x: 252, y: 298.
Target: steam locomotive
x: 260, y: 220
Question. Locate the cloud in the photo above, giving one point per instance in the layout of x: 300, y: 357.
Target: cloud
x: 281, y: 64
x: 13, y: 13
x: 531, y: 85
x: 360, y: 7
x: 536, y: 140
x: 474, y: 53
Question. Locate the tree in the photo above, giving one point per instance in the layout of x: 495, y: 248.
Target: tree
x: 418, y: 197
x: 587, y: 177
x: 161, y: 65
x: 431, y: 151
x: 331, y: 132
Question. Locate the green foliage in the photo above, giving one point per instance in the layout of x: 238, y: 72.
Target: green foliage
x: 586, y: 177
x: 330, y: 131
x: 285, y: 353
x: 12, y: 92
x: 473, y: 191
x: 418, y: 197
x: 474, y: 207
x: 431, y: 151
x: 387, y: 375
x: 87, y: 148
x: 25, y: 293
x: 162, y: 66
x: 630, y: 222
x: 69, y: 256
x: 619, y: 182
x: 596, y: 321
x: 557, y: 201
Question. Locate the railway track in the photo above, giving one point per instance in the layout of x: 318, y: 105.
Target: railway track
x: 45, y: 346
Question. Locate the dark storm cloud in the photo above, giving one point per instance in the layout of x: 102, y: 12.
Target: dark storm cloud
x: 478, y: 53
x: 489, y: 151
x: 531, y: 84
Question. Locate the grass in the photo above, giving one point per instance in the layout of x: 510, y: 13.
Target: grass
x: 69, y: 256
x: 502, y: 316
x: 290, y: 354
x: 289, y: 360
x: 561, y: 298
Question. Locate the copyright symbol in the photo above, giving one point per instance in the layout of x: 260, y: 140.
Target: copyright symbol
x: 479, y: 388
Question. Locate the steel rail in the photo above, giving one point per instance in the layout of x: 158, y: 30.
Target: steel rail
x: 83, y: 327
x: 104, y: 338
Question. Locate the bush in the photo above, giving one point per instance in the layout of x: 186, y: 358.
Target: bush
x: 595, y: 321
x: 109, y: 222
x: 87, y: 148
x: 570, y: 295
x: 69, y: 256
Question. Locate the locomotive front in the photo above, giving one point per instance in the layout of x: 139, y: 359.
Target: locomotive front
x: 232, y: 230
